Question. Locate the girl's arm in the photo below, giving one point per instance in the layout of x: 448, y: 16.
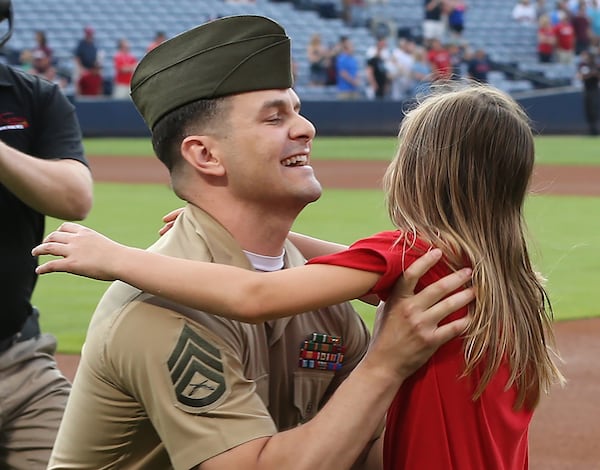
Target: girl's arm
x: 308, y: 246
x: 219, y: 289
x: 311, y: 247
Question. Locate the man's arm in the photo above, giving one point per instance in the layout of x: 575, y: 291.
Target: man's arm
x: 58, y: 188
x: 374, y: 457
x: 405, y: 337
x: 311, y: 247
x: 349, y: 78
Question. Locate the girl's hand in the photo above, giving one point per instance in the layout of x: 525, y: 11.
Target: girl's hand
x: 84, y: 252
x: 169, y: 220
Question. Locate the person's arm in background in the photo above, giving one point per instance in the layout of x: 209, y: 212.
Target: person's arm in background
x: 371, y: 82
x: 349, y: 78
x: 433, y: 4
x: 52, y: 177
x: 58, y: 188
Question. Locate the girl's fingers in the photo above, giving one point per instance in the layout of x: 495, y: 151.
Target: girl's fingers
x: 53, y: 266
x: 50, y: 248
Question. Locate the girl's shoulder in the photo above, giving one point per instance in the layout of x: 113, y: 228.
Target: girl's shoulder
x: 395, y: 238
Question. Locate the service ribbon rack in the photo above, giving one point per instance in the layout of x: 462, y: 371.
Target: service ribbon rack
x: 322, y: 351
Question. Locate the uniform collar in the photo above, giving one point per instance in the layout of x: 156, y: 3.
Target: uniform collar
x: 225, y: 249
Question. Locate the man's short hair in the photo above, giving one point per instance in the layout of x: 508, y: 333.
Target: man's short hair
x: 198, y: 117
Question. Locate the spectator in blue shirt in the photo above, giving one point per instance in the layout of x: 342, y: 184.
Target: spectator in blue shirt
x: 86, y: 52
x: 348, y: 77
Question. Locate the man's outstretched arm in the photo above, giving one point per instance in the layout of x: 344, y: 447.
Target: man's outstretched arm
x: 406, y: 335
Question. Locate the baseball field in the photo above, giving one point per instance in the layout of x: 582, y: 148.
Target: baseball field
x: 563, y: 213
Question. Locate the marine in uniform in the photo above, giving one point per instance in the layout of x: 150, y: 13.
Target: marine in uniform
x: 160, y: 385
x: 159, y: 381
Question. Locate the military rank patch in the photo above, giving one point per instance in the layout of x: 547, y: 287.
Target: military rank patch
x: 196, y: 370
x: 322, y: 351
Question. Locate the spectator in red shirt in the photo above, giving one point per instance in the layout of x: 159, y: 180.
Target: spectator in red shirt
x: 565, y: 39
x: 124, y: 62
x: 546, y: 39
x: 91, y: 82
x: 441, y: 62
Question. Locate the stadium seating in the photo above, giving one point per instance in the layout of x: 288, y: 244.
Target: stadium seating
x: 488, y: 25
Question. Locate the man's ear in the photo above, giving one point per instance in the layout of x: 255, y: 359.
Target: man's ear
x: 200, y: 152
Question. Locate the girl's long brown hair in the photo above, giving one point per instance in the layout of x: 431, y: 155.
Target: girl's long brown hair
x: 459, y: 180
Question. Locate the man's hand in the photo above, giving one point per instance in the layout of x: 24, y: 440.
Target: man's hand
x: 406, y: 332
x: 84, y: 252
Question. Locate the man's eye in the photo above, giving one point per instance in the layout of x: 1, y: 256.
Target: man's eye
x: 274, y: 119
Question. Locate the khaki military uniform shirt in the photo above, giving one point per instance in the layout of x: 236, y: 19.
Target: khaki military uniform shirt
x: 160, y: 385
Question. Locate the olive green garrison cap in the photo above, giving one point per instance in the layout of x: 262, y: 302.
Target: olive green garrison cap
x: 230, y: 55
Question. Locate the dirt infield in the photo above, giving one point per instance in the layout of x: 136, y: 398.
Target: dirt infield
x: 563, y: 180
x: 565, y: 433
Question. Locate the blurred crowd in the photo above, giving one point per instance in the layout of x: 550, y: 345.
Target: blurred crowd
x: 565, y: 29
x: 392, y: 68
x: 399, y: 66
x: 84, y: 76
x: 568, y: 33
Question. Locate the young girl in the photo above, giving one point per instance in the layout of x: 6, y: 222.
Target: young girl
x: 457, y: 183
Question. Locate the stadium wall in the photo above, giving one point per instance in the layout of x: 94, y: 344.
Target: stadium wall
x: 551, y: 112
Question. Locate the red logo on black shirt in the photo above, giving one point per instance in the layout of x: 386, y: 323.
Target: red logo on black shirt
x: 8, y: 121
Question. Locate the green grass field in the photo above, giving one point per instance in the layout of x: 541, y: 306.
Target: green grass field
x: 565, y: 240
x: 561, y: 150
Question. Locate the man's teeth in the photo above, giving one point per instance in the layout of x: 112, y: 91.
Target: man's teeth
x: 296, y: 160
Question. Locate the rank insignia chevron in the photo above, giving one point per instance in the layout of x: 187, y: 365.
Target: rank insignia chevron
x: 196, y: 370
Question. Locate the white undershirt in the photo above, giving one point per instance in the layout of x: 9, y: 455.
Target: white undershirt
x: 265, y: 263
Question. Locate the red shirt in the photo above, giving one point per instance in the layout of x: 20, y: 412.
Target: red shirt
x: 441, y: 63
x: 124, y: 66
x: 433, y: 422
x: 545, y: 41
x: 90, y: 84
x: 565, y: 36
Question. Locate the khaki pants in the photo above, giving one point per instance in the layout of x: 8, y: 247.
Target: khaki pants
x: 33, y: 396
